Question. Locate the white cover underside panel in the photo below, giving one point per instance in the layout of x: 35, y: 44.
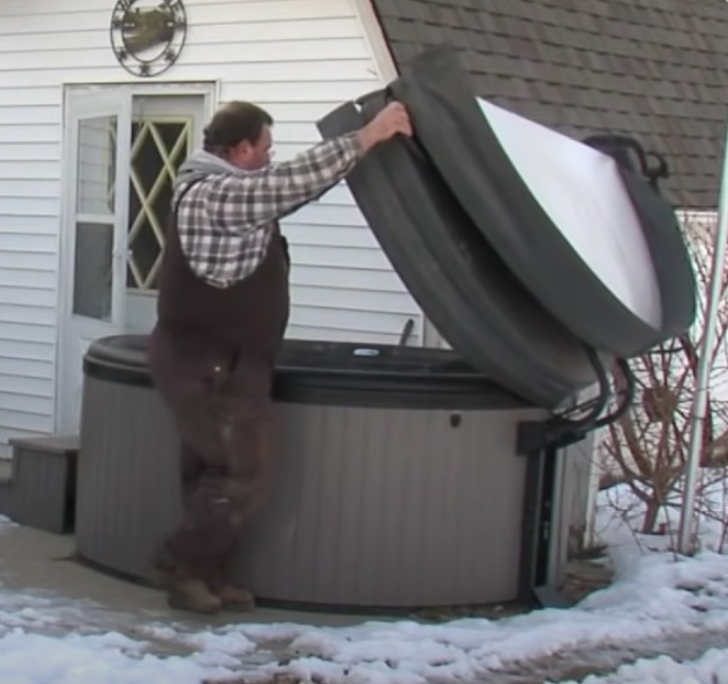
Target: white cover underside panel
x: 580, y: 190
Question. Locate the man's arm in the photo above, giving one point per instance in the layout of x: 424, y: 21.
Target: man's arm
x: 241, y: 203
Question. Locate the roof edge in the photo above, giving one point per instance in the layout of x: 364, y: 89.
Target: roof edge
x: 376, y: 38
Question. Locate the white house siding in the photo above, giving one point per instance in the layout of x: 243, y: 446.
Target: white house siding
x: 298, y: 58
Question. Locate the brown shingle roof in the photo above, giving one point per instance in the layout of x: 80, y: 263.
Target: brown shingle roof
x: 654, y: 69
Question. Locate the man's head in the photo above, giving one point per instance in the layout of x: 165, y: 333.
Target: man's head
x: 240, y: 133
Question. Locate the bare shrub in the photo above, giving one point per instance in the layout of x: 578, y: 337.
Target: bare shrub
x: 647, y: 448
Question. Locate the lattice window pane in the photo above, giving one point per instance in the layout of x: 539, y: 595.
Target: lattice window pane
x: 158, y: 149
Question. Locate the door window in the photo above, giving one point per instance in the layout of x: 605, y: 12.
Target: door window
x: 159, y: 146
x: 95, y: 217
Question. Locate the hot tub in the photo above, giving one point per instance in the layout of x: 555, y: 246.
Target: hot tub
x: 398, y: 483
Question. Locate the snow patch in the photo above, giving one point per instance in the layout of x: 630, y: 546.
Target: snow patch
x: 49, y: 640
x: 711, y: 668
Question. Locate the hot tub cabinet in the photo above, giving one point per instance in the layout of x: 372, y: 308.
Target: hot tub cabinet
x: 398, y: 483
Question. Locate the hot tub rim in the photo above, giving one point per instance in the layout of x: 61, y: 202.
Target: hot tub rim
x: 302, y: 384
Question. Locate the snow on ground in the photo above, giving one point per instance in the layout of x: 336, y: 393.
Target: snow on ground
x: 711, y: 668
x: 620, y: 513
x: 105, y: 659
x: 655, y: 596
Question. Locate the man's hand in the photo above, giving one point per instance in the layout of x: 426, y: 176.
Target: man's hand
x: 393, y: 119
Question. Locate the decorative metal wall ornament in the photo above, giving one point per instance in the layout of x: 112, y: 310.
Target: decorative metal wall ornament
x: 148, y: 35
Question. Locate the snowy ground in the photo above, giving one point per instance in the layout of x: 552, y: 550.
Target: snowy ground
x: 658, y: 601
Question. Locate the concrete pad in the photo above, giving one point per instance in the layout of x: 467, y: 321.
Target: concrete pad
x: 32, y: 562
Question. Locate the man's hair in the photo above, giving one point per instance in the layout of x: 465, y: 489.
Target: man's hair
x: 233, y: 123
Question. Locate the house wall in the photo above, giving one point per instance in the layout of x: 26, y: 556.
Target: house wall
x: 298, y: 58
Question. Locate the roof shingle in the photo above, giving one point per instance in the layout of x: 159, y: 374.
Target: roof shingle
x: 653, y: 69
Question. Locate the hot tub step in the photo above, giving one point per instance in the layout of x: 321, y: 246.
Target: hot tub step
x: 6, y: 471
x: 39, y: 489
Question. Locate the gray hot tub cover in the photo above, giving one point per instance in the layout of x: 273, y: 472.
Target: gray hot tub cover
x: 482, y: 258
x: 480, y: 307
x: 464, y: 145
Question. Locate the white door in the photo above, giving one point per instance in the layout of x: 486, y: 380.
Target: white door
x: 98, y: 133
x: 125, y: 149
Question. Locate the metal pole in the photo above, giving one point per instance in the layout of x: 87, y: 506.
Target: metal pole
x: 700, y: 400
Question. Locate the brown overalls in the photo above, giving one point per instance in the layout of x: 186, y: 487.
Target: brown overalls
x: 211, y: 356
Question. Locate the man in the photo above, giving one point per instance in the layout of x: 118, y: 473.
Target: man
x: 222, y: 312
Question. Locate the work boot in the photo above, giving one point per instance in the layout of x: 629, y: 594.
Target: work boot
x: 233, y: 597
x: 185, y: 591
x: 193, y: 596
x: 236, y: 599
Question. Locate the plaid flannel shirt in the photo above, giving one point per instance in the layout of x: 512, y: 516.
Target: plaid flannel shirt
x: 225, y: 221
